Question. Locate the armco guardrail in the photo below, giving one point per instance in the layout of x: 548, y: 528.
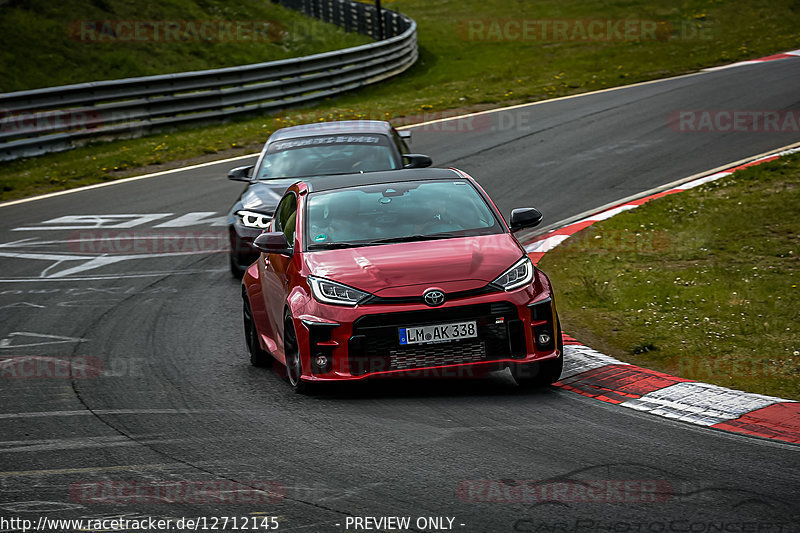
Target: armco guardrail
x: 59, y: 118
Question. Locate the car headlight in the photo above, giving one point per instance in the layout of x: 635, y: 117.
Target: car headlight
x: 331, y: 292
x: 517, y: 276
x: 251, y: 219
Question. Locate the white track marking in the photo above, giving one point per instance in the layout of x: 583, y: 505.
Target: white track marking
x: 49, y: 414
x: 125, y: 180
x: 118, y: 276
x: 90, y: 469
x: 82, y: 443
x: 580, y: 359
x: 752, y: 62
x: 39, y: 506
x: 22, y: 304
x: 199, y: 218
x: 610, y: 213
x: 547, y: 244
x: 700, y: 403
x: 91, y: 262
x: 52, y: 339
x: 110, y: 221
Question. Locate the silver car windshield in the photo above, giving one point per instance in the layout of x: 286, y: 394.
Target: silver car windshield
x: 328, y: 154
x: 397, y: 212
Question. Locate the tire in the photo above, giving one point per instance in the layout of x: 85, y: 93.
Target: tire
x: 543, y: 374
x: 258, y: 356
x: 236, y: 270
x: 294, y: 363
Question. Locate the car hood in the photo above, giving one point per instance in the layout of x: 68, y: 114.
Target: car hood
x: 408, y: 269
x: 263, y: 196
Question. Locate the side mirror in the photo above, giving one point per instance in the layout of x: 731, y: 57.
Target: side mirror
x: 525, y: 217
x: 240, y: 173
x: 417, y: 161
x: 273, y: 243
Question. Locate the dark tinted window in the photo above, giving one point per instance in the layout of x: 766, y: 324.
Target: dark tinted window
x: 398, y: 212
x: 328, y: 154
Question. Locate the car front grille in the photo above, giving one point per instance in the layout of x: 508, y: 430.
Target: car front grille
x: 447, y: 354
x: 375, y: 345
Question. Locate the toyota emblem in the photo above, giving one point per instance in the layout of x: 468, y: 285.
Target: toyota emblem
x: 433, y: 297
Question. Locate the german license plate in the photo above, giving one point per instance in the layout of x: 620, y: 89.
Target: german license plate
x: 438, y: 333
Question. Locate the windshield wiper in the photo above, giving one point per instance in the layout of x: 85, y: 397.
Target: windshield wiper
x: 357, y: 244
x: 333, y: 245
x: 411, y: 238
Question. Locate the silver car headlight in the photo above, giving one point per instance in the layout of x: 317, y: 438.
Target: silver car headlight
x: 331, y: 292
x: 519, y: 275
x: 251, y: 219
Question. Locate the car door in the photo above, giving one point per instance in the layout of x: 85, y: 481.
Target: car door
x: 275, y: 281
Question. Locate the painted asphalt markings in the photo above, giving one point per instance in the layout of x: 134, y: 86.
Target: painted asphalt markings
x: 112, y: 221
x: 89, y: 262
x: 109, y: 412
x: 117, y: 277
x: 34, y: 339
x: 127, y: 221
x: 596, y: 375
x: 38, y: 506
x: 91, y: 469
x: 94, y: 239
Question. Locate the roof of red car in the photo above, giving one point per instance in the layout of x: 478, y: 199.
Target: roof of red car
x: 341, y: 181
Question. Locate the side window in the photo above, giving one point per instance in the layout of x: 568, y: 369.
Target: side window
x: 286, y: 217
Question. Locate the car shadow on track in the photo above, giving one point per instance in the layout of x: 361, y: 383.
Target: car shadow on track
x: 494, y: 384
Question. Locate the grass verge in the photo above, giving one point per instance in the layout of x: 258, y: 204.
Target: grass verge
x: 73, y: 41
x: 702, y: 284
x: 470, y: 58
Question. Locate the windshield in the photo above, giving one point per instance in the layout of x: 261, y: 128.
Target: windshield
x: 328, y: 154
x: 397, y: 212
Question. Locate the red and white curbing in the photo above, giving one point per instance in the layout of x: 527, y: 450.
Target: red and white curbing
x: 785, y: 55
x: 591, y: 373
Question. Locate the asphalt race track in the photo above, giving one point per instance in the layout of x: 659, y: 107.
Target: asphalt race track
x: 162, y: 391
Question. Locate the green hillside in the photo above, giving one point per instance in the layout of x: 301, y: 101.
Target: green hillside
x: 45, y: 43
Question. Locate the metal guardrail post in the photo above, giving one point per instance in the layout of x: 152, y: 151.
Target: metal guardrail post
x: 379, y: 17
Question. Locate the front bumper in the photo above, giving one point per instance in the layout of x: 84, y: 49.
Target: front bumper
x: 363, y: 342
